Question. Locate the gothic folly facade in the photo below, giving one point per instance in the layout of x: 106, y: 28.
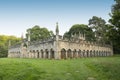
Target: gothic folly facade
x: 57, y: 47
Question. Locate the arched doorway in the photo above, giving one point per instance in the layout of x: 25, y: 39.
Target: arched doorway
x: 42, y: 54
x: 69, y: 53
x: 37, y: 54
x: 87, y: 52
x: 63, y: 54
x: 90, y: 53
x: 47, y: 53
x: 83, y: 53
x: 79, y: 53
x: 52, y: 54
x: 96, y: 54
x: 74, y: 53
x: 33, y: 53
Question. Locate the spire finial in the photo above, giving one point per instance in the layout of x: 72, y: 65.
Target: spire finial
x: 29, y: 35
x: 57, y: 23
x: 57, y: 29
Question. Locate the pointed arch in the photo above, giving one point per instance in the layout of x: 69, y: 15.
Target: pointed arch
x: 79, y: 53
x: 69, y: 53
x: 87, y: 52
x: 52, y: 54
x: 46, y: 53
x: 83, y: 53
x: 42, y: 53
x: 74, y: 53
x: 63, y: 53
x: 38, y: 54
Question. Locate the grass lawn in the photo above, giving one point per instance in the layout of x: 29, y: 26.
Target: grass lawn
x: 99, y: 68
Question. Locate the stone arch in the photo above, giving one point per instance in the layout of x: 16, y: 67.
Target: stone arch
x: 79, y: 53
x: 63, y: 53
x: 101, y: 53
x: 69, y: 53
x: 98, y: 53
x: 87, y: 53
x: 90, y: 53
x: 109, y: 53
x: 105, y: 53
x: 74, y: 53
x: 52, y: 54
x: 94, y: 53
x: 30, y: 50
x: 42, y: 53
x: 38, y: 53
x: 46, y: 53
x: 83, y: 53
x: 33, y: 53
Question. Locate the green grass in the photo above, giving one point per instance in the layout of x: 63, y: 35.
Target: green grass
x: 99, y: 68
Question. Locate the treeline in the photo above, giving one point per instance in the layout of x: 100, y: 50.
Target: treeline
x: 5, y: 42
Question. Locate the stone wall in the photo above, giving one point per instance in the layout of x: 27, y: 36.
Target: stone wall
x: 66, y: 49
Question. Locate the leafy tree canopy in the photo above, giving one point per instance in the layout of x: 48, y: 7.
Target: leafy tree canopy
x: 80, y: 28
x: 4, y: 43
x: 37, y: 33
x: 98, y: 25
x: 114, y: 28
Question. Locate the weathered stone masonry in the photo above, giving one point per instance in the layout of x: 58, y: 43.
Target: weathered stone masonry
x: 59, y: 48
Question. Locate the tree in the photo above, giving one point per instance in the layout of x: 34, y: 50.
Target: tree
x: 114, y: 30
x: 80, y: 28
x: 4, y: 43
x: 38, y: 33
x: 98, y: 25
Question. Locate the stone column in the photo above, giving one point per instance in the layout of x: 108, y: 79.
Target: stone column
x: 77, y: 54
x: 39, y: 54
x: 49, y: 53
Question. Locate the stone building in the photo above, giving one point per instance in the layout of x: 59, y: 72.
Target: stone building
x: 57, y: 47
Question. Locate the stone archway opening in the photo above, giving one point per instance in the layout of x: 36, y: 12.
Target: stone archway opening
x: 90, y: 53
x: 69, y: 53
x: 79, y: 53
x: 52, y: 54
x: 38, y: 53
x: 63, y: 54
x: 47, y: 53
x: 94, y: 53
x: 87, y: 52
x: 42, y: 54
x: 74, y: 53
x: 33, y: 56
x: 83, y: 53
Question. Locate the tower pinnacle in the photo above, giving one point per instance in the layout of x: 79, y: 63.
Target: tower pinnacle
x: 57, y: 29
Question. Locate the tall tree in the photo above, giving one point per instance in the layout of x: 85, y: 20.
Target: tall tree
x: 37, y: 33
x: 97, y: 24
x: 84, y: 29
x: 114, y: 30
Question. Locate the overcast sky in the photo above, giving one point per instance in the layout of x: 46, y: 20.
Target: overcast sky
x: 18, y: 15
